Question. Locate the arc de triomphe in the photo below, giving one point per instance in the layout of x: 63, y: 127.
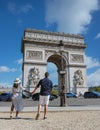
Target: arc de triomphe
x: 40, y: 47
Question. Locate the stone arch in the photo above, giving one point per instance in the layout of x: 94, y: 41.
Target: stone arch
x: 40, y: 47
x: 56, y: 59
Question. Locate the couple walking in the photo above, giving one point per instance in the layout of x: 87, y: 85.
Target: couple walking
x: 45, y: 90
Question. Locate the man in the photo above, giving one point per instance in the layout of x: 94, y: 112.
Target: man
x: 45, y: 90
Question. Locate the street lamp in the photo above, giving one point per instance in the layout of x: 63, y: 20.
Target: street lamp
x: 62, y: 76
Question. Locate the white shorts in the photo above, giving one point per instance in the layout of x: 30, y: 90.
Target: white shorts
x: 44, y: 100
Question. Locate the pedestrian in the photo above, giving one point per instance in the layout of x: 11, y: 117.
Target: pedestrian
x: 17, y: 97
x: 45, y: 90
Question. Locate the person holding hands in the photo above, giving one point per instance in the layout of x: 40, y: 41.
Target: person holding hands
x: 17, y: 98
x: 45, y: 90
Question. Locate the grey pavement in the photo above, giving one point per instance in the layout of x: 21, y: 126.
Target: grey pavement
x: 67, y: 108
x: 73, y: 104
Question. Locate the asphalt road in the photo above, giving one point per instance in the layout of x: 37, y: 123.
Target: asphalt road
x: 56, y: 102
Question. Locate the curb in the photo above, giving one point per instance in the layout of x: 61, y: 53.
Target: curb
x: 56, y: 109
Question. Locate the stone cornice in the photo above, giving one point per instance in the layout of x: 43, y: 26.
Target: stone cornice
x: 53, y: 33
x: 51, y: 43
x: 36, y: 63
x: 76, y: 65
x: 41, y: 37
x: 35, y: 35
x: 42, y: 63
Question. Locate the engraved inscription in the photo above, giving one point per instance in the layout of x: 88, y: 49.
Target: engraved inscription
x: 37, y: 55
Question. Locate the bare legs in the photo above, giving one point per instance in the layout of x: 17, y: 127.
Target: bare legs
x: 39, y: 109
x: 45, y: 110
x: 17, y: 112
x: 38, y: 112
x: 12, y: 109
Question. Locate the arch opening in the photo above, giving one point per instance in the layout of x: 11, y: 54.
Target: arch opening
x: 56, y: 59
x: 55, y: 66
x: 52, y: 69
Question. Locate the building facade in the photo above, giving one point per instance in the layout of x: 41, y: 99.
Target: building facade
x: 40, y: 47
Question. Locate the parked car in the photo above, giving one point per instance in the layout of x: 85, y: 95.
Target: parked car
x: 71, y: 95
x: 35, y: 97
x: 6, y: 96
x: 53, y: 96
x: 25, y: 95
x: 92, y: 94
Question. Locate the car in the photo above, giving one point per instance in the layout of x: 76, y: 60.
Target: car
x: 6, y: 96
x: 53, y: 96
x: 35, y: 97
x: 25, y: 95
x: 92, y: 94
x: 71, y: 95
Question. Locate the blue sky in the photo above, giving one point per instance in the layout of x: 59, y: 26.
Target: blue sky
x: 69, y: 16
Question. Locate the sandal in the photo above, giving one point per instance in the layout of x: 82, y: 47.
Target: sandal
x: 10, y: 116
x: 37, y: 117
x: 45, y: 118
x: 17, y: 117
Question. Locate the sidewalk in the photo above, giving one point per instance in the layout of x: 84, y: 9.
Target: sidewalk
x: 67, y: 108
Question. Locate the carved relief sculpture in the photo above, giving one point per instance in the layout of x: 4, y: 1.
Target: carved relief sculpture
x: 33, y: 77
x: 34, y: 55
x: 75, y: 58
x: 78, y: 78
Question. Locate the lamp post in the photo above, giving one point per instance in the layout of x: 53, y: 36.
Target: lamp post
x: 62, y: 76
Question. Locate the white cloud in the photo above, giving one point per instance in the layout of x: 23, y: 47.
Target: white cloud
x: 97, y: 36
x: 5, y: 85
x: 70, y: 16
x: 13, y: 8
x: 94, y: 78
x: 19, y: 61
x: 91, y: 62
x: 6, y: 69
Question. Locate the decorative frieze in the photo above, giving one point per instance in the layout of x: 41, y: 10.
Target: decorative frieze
x: 36, y: 55
x: 53, y: 37
x: 75, y: 58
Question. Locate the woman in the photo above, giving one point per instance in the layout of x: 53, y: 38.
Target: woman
x: 17, y: 97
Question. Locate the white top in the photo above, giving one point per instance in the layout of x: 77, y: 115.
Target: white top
x: 17, y: 97
x: 17, y: 91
